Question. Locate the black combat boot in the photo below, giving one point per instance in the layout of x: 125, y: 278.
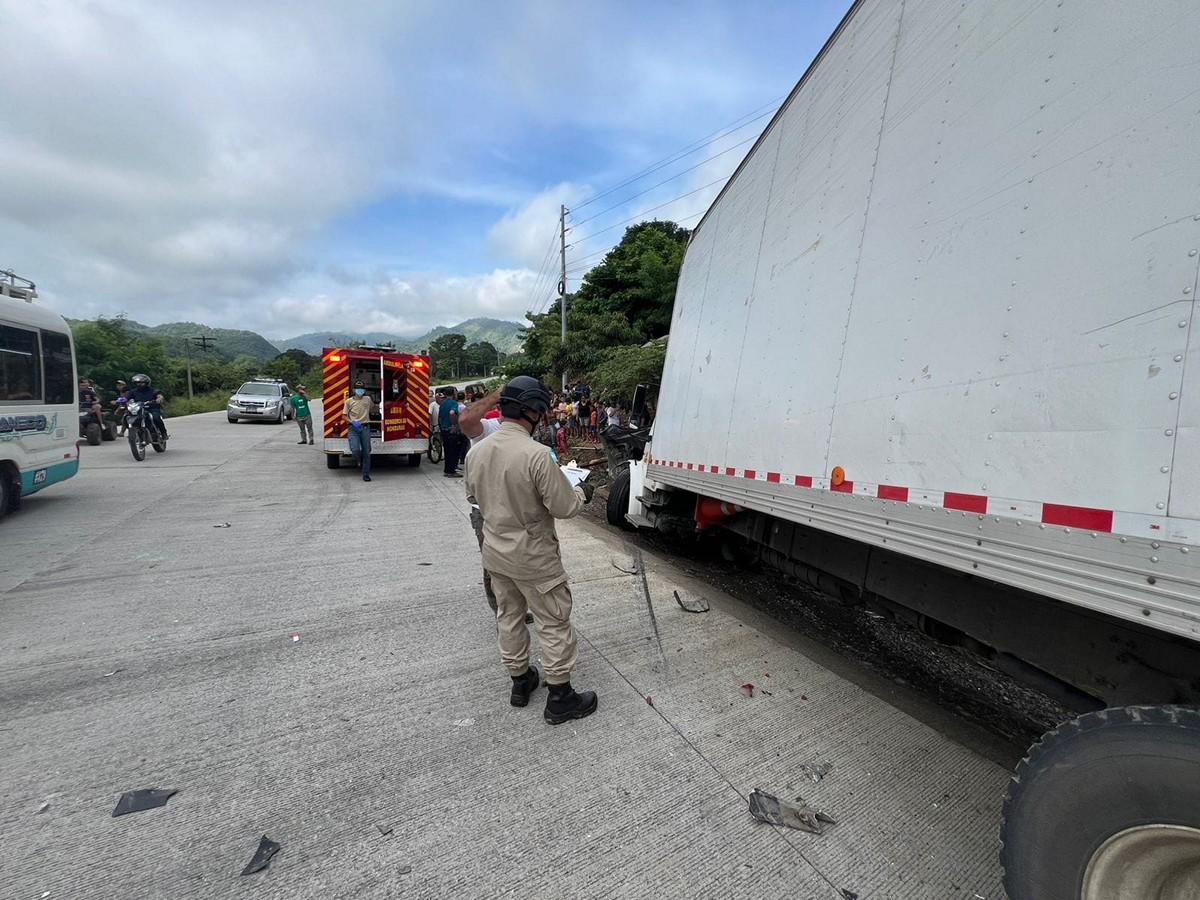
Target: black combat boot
x: 523, y: 686
x: 564, y: 704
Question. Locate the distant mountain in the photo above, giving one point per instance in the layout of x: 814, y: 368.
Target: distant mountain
x: 227, y: 343
x: 504, y: 336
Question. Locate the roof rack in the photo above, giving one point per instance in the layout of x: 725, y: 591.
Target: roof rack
x: 9, y: 287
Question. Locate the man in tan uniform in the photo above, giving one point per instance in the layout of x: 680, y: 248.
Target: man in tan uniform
x: 521, y: 491
x: 357, y: 411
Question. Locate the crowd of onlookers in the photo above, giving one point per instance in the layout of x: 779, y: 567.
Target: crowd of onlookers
x: 576, y: 417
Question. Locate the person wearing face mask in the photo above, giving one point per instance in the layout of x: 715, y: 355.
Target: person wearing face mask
x: 358, y: 412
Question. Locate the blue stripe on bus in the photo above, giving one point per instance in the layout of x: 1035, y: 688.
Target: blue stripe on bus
x: 36, y: 479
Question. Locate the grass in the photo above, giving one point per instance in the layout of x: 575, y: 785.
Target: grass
x: 201, y: 403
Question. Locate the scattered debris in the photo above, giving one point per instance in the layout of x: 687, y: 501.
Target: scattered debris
x: 769, y: 808
x: 463, y: 723
x: 262, y: 856
x: 747, y: 690
x: 804, y: 696
x: 295, y: 638
x: 696, y: 605
x: 848, y: 894
x: 649, y: 700
x: 424, y: 564
x: 112, y: 673
x: 817, y: 772
x: 222, y: 525
x: 765, y: 692
x: 623, y: 564
x: 143, y: 799
x: 404, y: 870
x: 386, y: 830
x: 45, y: 806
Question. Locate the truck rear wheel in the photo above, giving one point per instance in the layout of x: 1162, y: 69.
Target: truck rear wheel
x: 333, y: 461
x: 1107, y: 806
x: 414, y: 459
x: 618, y: 500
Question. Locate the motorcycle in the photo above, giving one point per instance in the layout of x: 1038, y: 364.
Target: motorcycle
x: 141, y: 430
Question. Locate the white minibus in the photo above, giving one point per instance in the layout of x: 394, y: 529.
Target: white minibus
x: 39, y: 401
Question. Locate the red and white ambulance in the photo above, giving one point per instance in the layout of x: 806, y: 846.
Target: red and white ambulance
x: 398, y: 383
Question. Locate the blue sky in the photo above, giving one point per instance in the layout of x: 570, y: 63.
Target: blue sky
x: 293, y: 167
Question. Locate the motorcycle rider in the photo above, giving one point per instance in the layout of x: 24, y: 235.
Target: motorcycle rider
x: 118, y: 406
x: 152, y: 399
x: 90, y: 400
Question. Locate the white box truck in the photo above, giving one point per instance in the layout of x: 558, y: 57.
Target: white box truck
x: 934, y: 341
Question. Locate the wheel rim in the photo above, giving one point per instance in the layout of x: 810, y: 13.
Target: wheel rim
x: 1151, y: 862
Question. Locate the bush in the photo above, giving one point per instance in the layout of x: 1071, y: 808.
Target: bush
x: 201, y: 403
x: 624, y: 368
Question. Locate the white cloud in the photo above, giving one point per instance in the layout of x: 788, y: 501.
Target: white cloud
x: 180, y: 160
x: 409, y: 305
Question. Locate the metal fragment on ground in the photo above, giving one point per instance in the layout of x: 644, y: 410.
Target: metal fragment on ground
x: 222, y: 525
x: 404, y: 870
x: 385, y: 830
x: 267, y: 848
x: 816, y: 772
x: 624, y: 564
x: 769, y: 808
x: 143, y: 799
x: 691, y: 604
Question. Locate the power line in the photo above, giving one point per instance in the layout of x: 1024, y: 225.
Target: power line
x: 536, y: 289
x: 752, y: 116
x: 650, y: 210
x: 584, y: 268
x: 668, y: 180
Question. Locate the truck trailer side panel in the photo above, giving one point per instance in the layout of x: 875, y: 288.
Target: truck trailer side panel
x: 960, y: 268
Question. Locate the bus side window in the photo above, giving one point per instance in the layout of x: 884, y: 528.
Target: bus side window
x: 58, y: 368
x: 20, y: 369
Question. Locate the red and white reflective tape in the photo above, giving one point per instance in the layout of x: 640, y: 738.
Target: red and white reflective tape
x: 1083, y: 518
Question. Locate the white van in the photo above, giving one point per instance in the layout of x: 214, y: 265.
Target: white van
x: 39, y: 397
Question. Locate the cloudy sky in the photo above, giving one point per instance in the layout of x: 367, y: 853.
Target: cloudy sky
x: 300, y: 166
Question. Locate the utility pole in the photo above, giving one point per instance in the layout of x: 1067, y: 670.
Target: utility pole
x: 562, y: 283
x: 202, y: 342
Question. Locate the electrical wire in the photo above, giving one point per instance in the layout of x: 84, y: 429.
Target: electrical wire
x: 639, y: 215
x: 752, y: 116
x: 752, y: 137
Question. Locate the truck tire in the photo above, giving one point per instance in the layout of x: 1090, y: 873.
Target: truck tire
x: 414, y: 459
x: 618, y: 500
x: 1107, y: 806
x: 333, y: 461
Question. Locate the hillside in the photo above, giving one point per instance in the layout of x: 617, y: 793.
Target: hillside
x: 227, y: 344
x: 504, y: 336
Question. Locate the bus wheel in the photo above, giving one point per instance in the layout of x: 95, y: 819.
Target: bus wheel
x: 1107, y: 806
x: 10, y: 492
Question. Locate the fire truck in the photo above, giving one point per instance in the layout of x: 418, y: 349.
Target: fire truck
x: 398, y: 383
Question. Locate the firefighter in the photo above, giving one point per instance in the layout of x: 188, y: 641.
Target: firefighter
x: 520, y: 492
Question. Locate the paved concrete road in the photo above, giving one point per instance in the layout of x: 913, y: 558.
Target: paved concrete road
x: 142, y: 647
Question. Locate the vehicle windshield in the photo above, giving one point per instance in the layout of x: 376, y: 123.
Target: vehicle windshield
x: 259, y: 390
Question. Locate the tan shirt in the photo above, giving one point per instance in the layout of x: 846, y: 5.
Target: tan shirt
x: 520, y: 492
x: 358, y: 409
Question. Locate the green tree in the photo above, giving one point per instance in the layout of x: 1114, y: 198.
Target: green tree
x: 624, y: 368
x: 637, y: 278
x: 447, y: 354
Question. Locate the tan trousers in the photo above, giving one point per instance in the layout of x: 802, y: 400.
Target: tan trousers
x: 551, y: 608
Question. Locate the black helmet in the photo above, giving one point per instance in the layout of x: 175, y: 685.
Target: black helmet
x: 524, y: 395
x: 140, y: 380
